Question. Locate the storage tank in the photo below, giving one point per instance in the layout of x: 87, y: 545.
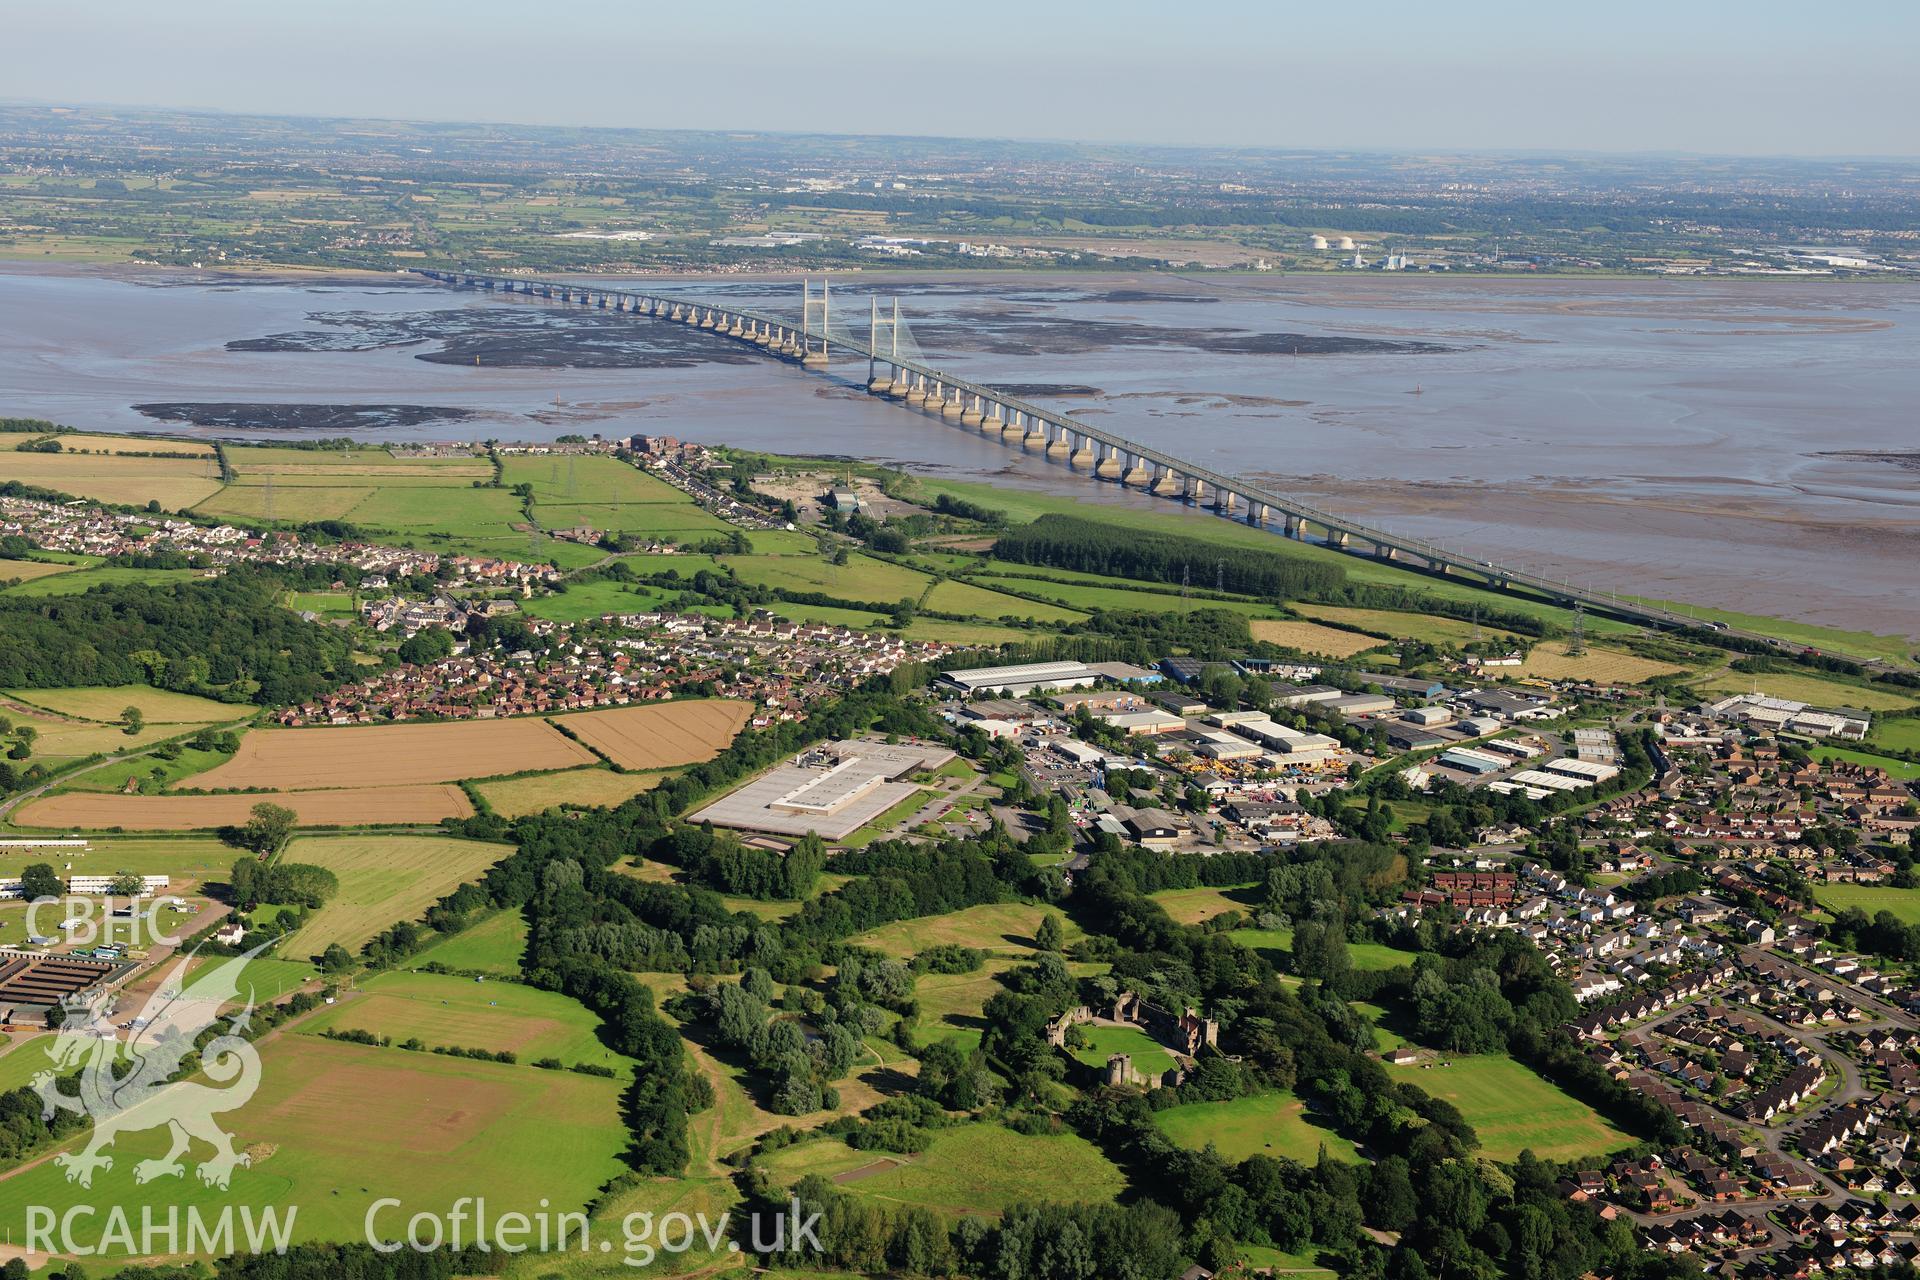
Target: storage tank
x: 1346, y: 244
x: 1318, y: 242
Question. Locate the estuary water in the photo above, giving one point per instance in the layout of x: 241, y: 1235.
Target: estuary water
x: 1752, y: 445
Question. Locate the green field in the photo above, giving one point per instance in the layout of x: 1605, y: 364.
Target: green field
x: 25, y: 1057
x: 266, y: 978
x: 60, y: 740
x: 328, y: 604
x: 1077, y: 595
x: 368, y: 487
x: 973, y: 635
x: 1870, y: 898
x: 152, y: 773
x: 592, y: 599
x: 1512, y: 1109
x: 860, y: 578
x: 972, y: 1169
x: 588, y: 787
x: 978, y: 602
x: 1901, y: 733
x: 950, y: 1004
x: 81, y: 580
x: 195, y: 858
x: 1025, y: 505
x: 443, y: 1010
x: 1149, y: 1059
x: 1271, y: 1124
x: 612, y: 496
x: 335, y: 1127
x: 383, y: 880
x: 1003, y: 927
x: 1905, y: 770
x: 1817, y: 690
x: 1195, y: 906
x: 1370, y: 956
x: 494, y: 945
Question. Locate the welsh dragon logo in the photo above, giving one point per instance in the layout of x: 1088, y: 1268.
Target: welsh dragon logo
x: 124, y: 1085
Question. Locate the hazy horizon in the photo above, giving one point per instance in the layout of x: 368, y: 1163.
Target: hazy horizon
x: 1757, y: 81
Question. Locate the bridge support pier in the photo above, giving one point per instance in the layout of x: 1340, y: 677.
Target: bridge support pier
x: 1109, y: 467
x: 953, y: 409
x: 1166, y: 483
x: 973, y: 415
x: 1292, y: 526
x: 1015, y: 432
x: 1336, y: 539
x: 918, y: 393
x: 1257, y: 513
x: 1083, y: 457
x: 1196, y: 490
x: 1059, y: 443
x: 1034, y: 440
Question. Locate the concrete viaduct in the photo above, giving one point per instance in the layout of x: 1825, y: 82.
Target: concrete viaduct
x: 1021, y: 425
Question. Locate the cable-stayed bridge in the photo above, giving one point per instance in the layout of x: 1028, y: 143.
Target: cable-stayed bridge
x: 898, y: 369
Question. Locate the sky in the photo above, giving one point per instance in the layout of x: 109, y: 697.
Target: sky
x: 1736, y: 77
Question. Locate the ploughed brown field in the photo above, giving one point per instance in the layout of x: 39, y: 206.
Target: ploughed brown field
x: 660, y: 735
x: 358, y: 806
x: 392, y: 755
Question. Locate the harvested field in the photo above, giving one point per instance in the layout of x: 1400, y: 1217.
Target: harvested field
x: 28, y: 570
x: 353, y: 806
x: 1311, y: 637
x: 1550, y: 661
x: 383, y: 879
x: 175, y: 483
x: 660, y: 735
x: 130, y: 444
x: 1399, y: 624
x: 589, y: 788
x: 394, y: 754
x: 104, y: 704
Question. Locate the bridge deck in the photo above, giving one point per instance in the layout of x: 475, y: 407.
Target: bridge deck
x: 1383, y: 541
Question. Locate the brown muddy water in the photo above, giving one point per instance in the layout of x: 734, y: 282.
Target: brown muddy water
x: 1744, y: 444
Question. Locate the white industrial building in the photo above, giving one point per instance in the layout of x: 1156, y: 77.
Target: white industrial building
x: 1018, y: 681
x: 1587, y: 771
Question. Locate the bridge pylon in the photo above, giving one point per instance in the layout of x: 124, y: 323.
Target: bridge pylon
x: 813, y: 357
x: 875, y: 323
